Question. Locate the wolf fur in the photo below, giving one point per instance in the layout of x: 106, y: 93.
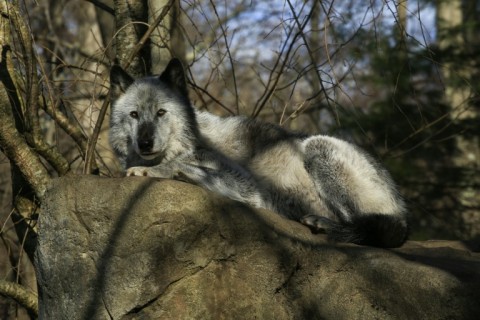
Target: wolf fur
x: 325, y: 183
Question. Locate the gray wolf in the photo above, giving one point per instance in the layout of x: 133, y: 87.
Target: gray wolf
x: 325, y: 183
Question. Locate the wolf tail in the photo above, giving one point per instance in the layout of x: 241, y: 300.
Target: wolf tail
x: 379, y: 230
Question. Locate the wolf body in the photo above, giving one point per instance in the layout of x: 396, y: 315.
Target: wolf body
x: 325, y: 183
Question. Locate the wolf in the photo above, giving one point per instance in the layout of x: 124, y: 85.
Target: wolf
x: 325, y: 183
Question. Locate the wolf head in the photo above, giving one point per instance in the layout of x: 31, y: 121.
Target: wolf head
x: 151, y: 117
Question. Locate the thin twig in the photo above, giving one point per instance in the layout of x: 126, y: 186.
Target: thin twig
x: 224, y: 34
x: 268, y: 93
x: 102, y: 6
x: 196, y: 87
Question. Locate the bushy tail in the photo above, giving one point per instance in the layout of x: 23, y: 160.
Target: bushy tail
x: 379, y: 230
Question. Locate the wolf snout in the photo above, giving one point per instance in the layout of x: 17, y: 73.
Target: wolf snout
x: 146, y: 149
x: 145, y: 145
x: 145, y: 137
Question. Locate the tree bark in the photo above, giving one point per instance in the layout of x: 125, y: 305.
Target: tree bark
x: 106, y: 22
x: 20, y: 295
x: 133, y: 18
x: 167, y: 40
x: 131, y: 23
x: 454, y: 39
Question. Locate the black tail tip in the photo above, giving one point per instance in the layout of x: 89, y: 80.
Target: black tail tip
x: 378, y: 230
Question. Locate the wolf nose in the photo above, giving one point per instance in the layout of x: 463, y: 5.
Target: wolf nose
x: 145, y: 144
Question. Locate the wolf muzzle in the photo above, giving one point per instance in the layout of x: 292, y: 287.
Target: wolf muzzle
x: 145, y: 139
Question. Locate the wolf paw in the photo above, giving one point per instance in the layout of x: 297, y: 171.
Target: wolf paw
x: 137, y: 171
x: 316, y: 223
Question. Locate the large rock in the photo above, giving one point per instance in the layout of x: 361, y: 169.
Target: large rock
x: 140, y: 248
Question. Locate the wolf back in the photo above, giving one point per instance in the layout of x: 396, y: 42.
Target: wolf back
x: 325, y: 183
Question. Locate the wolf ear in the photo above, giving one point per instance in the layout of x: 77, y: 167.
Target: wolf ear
x: 120, y: 80
x: 174, y: 77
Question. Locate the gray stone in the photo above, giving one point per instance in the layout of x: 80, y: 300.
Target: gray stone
x: 142, y: 248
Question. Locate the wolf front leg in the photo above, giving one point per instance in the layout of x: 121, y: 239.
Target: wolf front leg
x: 212, y: 173
x: 155, y: 171
x: 227, y: 179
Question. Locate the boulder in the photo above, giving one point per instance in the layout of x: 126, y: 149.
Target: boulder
x: 144, y: 248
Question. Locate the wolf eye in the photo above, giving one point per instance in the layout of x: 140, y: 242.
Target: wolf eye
x: 134, y: 114
x: 161, y: 112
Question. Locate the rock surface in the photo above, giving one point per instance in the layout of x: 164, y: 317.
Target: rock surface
x: 141, y: 248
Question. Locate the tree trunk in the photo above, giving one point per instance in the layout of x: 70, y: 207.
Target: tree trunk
x: 106, y: 23
x: 131, y: 18
x: 167, y: 40
x: 459, y: 73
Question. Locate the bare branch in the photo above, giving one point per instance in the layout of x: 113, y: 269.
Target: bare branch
x: 273, y: 83
x: 314, y: 10
x: 102, y: 6
x: 196, y: 87
x: 147, y: 34
x: 18, y: 151
x: 12, y: 143
x: 68, y: 126
x: 28, y: 110
x: 229, y: 53
x: 21, y: 295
